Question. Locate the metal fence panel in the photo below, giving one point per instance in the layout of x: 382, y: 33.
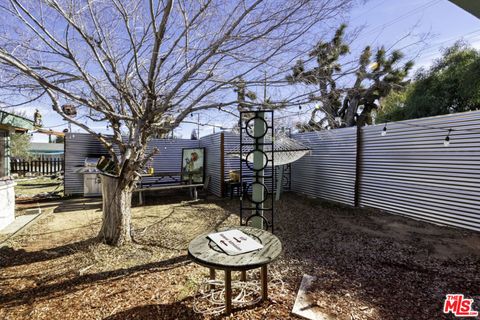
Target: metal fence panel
x: 409, y: 171
x: 328, y: 172
x: 212, y: 145
x: 78, y: 146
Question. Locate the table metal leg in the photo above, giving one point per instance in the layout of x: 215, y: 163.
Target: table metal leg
x: 243, y: 276
x: 264, y: 281
x: 212, y: 277
x: 228, y: 292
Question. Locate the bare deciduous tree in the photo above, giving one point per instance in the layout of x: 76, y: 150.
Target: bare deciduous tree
x: 142, y: 66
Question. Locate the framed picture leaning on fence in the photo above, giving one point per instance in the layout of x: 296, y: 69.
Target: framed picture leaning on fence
x: 193, y: 165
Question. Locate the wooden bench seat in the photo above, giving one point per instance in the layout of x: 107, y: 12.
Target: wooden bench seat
x: 171, y: 187
x: 192, y: 186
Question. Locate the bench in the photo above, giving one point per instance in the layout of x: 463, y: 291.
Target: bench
x: 192, y: 187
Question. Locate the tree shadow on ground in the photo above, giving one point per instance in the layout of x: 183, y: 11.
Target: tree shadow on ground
x: 10, y: 257
x: 353, y: 251
x: 176, y: 310
x: 380, y: 261
x: 79, y: 204
x: 41, y: 185
x: 52, y: 290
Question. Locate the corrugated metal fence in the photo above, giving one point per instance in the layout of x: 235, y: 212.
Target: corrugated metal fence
x: 329, y: 170
x: 219, y: 161
x: 79, y: 146
x: 213, y: 149
x: 408, y: 171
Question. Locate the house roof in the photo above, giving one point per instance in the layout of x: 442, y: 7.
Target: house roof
x: 46, y: 148
x: 10, y: 120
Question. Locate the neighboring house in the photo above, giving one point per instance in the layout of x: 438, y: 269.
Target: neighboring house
x: 10, y: 123
x: 44, y: 150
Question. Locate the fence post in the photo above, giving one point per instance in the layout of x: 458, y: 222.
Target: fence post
x: 222, y: 163
x: 358, y: 166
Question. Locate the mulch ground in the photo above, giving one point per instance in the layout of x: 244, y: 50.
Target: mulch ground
x: 369, y: 265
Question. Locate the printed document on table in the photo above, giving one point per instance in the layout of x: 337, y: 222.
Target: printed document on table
x: 234, y: 242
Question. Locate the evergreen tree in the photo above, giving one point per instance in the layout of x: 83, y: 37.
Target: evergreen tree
x: 451, y: 85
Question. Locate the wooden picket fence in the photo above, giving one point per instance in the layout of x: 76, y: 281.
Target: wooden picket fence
x: 38, y: 166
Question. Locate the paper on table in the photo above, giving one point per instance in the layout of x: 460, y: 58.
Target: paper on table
x: 234, y: 242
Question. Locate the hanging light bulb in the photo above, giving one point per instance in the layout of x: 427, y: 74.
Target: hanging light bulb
x: 384, y: 131
x: 191, y: 114
x: 299, y: 107
x: 446, y: 142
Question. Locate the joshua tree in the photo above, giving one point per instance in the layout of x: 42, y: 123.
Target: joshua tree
x: 142, y: 66
x: 372, y: 85
x: 327, y: 55
x: 353, y: 104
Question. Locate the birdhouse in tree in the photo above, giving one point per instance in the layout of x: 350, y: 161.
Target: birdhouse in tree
x: 69, y: 110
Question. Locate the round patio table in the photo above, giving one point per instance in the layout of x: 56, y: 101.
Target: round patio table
x: 206, y: 253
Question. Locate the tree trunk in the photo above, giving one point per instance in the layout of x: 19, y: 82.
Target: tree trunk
x: 351, y: 112
x: 116, y: 212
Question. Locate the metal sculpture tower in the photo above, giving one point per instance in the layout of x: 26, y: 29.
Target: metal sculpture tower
x: 257, y: 181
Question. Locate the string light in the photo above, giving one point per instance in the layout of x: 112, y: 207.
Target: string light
x: 384, y: 131
x: 300, y: 107
x: 446, y: 142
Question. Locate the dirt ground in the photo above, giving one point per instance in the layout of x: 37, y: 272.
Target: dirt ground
x: 369, y: 265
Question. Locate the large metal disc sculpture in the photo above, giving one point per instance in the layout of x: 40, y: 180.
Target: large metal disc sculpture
x: 260, y: 151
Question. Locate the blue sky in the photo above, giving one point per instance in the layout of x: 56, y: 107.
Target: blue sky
x: 386, y: 22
